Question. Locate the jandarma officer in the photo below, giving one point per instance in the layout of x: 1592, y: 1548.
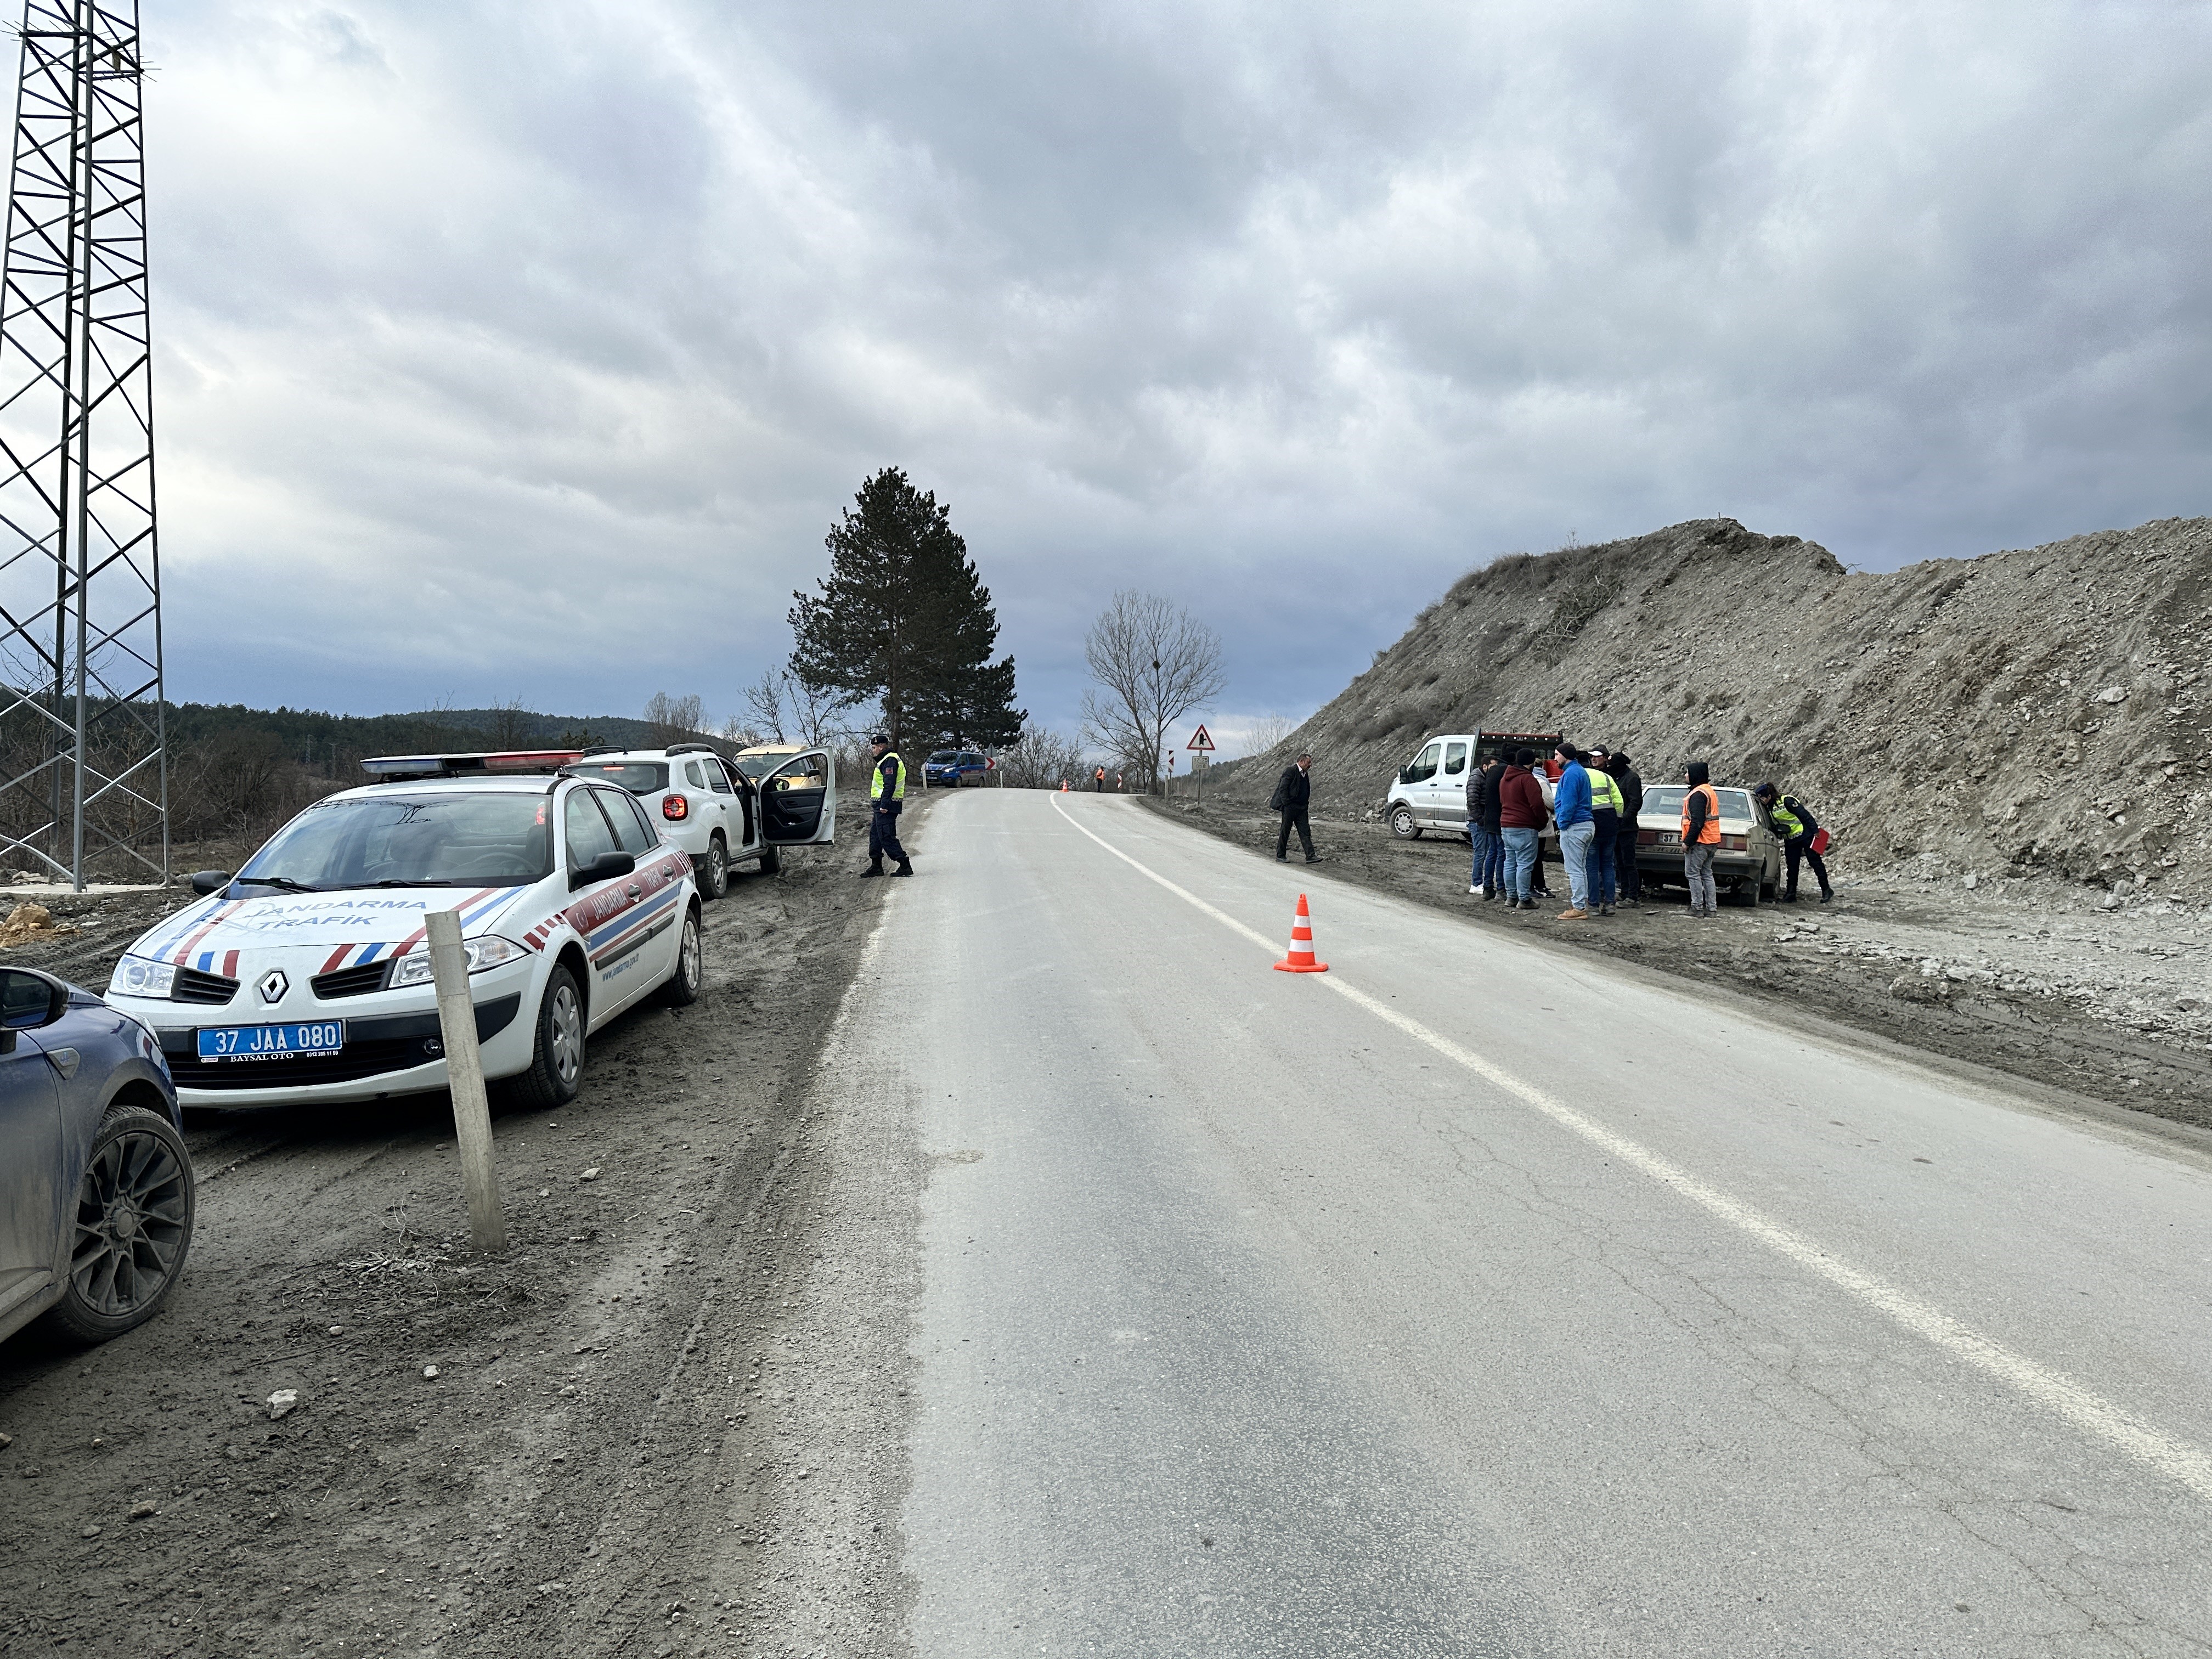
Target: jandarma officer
x: 886, y: 795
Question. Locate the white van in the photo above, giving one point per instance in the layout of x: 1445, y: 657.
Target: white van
x: 1431, y: 791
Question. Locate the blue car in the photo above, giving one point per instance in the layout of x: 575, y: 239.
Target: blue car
x: 96, y: 1194
x: 956, y: 768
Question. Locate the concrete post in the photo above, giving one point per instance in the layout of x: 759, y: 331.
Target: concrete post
x: 456, y: 1019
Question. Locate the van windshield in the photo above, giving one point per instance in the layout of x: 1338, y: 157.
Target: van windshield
x: 945, y: 758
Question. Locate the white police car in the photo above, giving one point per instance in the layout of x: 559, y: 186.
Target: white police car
x: 721, y: 814
x: 305, y: 978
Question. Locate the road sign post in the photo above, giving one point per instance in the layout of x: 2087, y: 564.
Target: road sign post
x: 1201, y: 746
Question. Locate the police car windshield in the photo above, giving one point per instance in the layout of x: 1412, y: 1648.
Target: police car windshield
x: 946, y: 757
x: 472, y: 840
x: 639, y: 777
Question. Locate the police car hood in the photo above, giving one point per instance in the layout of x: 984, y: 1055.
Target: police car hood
x: 378, y: 921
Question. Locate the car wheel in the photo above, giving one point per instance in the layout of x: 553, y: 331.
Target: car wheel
x: 132, y: 1226
x: 771, y: 861
x: 1402, y: 825
x: 714, y: 870
x: 682, y: 988
x: 555, y: 1072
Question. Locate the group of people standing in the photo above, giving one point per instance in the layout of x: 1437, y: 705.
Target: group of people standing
x: 1595, y: 798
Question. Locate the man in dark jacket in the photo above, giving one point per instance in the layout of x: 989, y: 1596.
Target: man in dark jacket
x: 1630, y: 881
x: 1482, y: 829
x: 1293, y: 792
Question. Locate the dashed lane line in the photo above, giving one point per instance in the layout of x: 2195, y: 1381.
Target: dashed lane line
x: 2178, y: 1460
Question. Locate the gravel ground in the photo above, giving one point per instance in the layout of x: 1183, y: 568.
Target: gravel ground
x: 2058, y: 985
x: 665, y: 1422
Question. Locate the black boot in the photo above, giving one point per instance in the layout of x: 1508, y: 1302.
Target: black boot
x: 904, y: 868
x: 875, y: 868
x: 1826, y: 894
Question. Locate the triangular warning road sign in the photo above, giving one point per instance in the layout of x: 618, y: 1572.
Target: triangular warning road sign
x: 1200, y: 742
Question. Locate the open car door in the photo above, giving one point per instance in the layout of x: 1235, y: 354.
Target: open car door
x: 798, y: 801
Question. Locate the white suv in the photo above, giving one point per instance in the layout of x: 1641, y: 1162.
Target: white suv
x: 723, y: 815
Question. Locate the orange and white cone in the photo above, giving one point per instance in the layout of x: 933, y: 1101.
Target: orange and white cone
x: 1301, y: 958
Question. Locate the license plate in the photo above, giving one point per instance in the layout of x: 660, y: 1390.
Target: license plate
x: 1669, y: 838
x: 324, y: 1037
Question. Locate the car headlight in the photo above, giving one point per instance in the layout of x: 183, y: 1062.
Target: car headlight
x: 139, y: 976
x: 488, y: 952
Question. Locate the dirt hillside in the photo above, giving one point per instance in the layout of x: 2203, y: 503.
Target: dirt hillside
x: 2037, y: 713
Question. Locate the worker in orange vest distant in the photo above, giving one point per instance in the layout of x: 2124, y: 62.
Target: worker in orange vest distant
x: 1701, y: 833
x: 1098, y: 782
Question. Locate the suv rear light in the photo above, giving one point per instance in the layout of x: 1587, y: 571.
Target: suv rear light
x: 1647, y: 837
x: 675, y: 805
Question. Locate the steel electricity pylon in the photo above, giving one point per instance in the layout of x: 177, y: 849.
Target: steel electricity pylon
x: 84, y: 760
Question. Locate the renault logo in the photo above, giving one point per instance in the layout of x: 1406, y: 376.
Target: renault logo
x: 274, y: 985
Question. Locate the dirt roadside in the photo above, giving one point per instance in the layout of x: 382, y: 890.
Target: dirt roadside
x: 668, y: 1421
x: 2058, y: 986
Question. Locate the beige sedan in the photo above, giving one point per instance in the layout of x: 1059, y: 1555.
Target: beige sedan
x: 1749, y: 861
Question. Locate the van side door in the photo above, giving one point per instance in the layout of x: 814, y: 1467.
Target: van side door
x: 1448, y: 789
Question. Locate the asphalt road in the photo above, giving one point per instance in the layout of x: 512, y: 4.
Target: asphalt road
x: 1474, y: 1300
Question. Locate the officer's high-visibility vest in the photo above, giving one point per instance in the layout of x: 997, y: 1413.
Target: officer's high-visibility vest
x: 1605, y: 793
x: 1786, y: 818
x: 876, y: 777
x: 1710, y: 834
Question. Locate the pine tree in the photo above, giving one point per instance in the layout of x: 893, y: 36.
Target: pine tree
x: 902, y: 617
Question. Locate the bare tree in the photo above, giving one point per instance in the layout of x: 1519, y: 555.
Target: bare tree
x: 509, y: 725
x: 764, y: 698
x: 1269, y: 732
x: 1042, y: 758
x: 674, y: 719
x: 817, y: 711
x: 1154, y: 663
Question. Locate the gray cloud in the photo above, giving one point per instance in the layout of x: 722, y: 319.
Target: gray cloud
x: 533, y: 347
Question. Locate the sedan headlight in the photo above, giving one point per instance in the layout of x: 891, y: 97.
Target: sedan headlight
x: 138, y: 977
x: 488, y: 952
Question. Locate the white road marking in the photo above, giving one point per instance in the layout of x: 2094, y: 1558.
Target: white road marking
x: 2176, y: 1459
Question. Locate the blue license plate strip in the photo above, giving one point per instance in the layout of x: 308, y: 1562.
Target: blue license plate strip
x: 243, y: 1043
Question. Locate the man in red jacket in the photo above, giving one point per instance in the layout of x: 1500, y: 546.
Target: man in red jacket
x: 1520, y: 818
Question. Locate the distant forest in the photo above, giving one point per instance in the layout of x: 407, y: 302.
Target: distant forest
x: 332, y: 744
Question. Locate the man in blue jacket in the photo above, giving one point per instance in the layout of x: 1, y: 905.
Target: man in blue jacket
x: 1571, y: 810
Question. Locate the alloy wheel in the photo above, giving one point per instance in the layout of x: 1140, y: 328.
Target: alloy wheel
x: 133, y: 1215
x: 689, y: 965
x: 568, y: 1035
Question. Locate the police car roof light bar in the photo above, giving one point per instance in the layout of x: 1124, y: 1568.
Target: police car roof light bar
x: 400, y: 768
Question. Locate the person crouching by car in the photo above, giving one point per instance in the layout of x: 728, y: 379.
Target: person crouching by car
x: 1798, y: 830
x: 1520, y: 820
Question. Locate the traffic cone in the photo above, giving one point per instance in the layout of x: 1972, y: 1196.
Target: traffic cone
x: 1301, y: 958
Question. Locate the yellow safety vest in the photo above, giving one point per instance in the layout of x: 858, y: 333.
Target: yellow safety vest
x: 876, y: 777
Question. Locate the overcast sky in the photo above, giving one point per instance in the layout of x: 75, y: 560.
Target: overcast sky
x: 529, y: 349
